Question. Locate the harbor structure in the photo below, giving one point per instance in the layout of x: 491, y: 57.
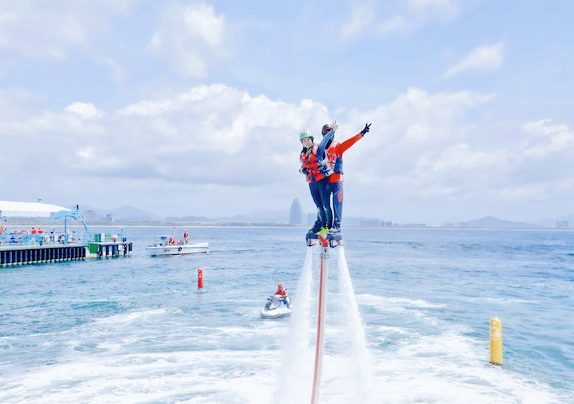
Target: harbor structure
x: 37, y: 246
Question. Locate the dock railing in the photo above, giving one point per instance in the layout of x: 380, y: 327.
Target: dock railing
x: 53, y: 238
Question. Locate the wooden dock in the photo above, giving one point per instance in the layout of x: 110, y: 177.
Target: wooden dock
x: 35, y: 254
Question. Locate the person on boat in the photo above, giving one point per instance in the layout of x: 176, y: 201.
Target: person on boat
x: 1, y: 229
x: 281, y: 289
x: 316, y: 168
x: 34, y: 231
x: 186, y: 238
x: 335, y: 152
x: 282, y: 292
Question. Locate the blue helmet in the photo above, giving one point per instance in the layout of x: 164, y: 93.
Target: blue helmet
x: 326, y: 129
x: 305, y: 134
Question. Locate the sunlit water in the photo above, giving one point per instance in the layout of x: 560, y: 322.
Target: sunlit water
x: 407, y: 320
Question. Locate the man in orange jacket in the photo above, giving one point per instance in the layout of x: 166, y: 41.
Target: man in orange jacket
x: 335, y: 155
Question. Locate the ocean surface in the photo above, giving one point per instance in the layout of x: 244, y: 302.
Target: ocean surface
x: 408, y: 314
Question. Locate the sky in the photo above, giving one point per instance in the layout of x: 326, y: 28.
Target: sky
x: 194, y: 108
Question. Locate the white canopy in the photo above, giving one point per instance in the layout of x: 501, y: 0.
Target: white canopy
x: 29, y: 209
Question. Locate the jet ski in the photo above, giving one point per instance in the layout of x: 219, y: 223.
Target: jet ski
x: 276, y: 306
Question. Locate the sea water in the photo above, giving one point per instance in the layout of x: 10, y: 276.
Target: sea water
x: 408, y: 314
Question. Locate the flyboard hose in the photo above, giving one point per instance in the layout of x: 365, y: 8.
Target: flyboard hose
x: 321, y: 320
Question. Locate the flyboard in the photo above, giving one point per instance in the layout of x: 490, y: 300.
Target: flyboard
x: 322, y: 309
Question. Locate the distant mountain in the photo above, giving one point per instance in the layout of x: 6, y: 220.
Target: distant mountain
x: 490, y: 222
x: 189, y: 219
x: 131, y: 213
x: 281, y: 217
x: 128, y: 213
x: 262, y: 216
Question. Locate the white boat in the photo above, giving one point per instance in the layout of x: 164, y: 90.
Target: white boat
x: 277, y: 306
x: 168, y: 245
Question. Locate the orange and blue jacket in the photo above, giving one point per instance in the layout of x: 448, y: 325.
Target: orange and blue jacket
x: 314, y: 161
x: 335, y: 156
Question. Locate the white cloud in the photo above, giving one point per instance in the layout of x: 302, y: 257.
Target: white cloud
x: 146, y: 108
x: 446, y: 8
x: 397, y: 23
x: 117, y: 71
x: 209, y: 137
x: 548, y: 140
x: 217, y: 142
x: 398, y: 16
x: 544, y: 128
x: 90, y: 156
x: 421, y: 140
x: 416, y: 14
x: 189, y: 37
x: 483, y: 58
x: 84, y: 110
x: 201, y: 21
x: 461, y: 157
x: 41, y: 30
x: 524, y: 193
x: 154, y: 108
x: 362, y: 16
x: 190, y: 65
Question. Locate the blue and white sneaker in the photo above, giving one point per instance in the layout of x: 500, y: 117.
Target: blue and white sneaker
x: 334, y: 234
x: 312, y: 233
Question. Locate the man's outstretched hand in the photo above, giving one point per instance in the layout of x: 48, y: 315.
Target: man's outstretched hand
x: 366, y: 128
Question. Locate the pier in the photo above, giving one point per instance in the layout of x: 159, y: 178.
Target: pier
x: 33, y: 246
x: 37, y: 254
x: 26, y: 254
x: 106, y: 249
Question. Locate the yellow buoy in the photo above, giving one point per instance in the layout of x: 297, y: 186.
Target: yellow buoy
x: 495, y: 341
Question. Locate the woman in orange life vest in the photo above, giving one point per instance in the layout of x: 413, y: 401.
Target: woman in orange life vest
x: 315, y: 166
x: 335, y: 181
x: 281, y: 290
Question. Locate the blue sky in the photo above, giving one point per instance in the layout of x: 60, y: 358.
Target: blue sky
x: 194, y: 107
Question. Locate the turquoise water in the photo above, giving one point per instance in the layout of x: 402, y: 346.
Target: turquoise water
x: 407, y: 320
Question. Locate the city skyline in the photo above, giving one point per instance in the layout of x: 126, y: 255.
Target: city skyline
x: 284, y: 217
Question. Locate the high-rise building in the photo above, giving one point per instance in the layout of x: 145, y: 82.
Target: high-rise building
x: 296, y: 213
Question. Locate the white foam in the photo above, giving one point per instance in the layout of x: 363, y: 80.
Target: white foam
x: 295, y: 376
x: 353, y: 333
x: 164, y: 356
x: 131, y: 316
x: 198, y: 377
x: 384, y: 302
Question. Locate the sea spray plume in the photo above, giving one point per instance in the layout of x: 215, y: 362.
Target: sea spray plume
x: 296, y: 372
x: 356, y: 332
x: 352, y: 375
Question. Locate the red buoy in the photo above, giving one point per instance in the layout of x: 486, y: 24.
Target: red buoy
x: 200, y: 278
